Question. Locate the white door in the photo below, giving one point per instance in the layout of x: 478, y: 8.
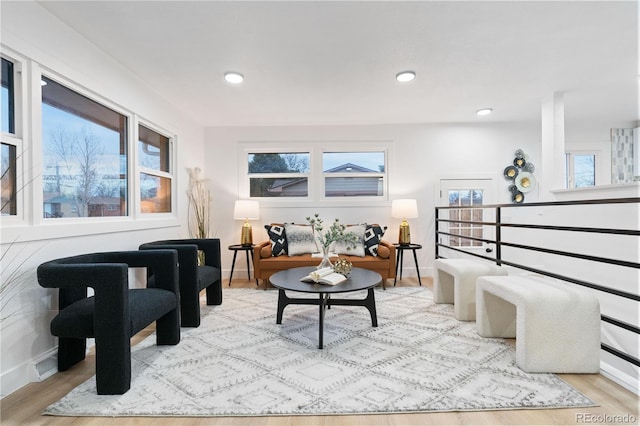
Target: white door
x: 467, y: 193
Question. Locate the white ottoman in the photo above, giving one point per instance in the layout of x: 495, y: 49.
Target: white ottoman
x: 454, y: 282
x: 556, y: 325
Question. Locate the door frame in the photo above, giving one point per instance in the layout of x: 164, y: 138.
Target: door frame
x: 490, y: 182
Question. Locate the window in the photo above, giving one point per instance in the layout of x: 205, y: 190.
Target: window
x: 84, y: 146
x: 581, y: 169
x: 8, y: 95
x: 10, y: 143
x: 464, y: 198
x: 9, y: 188
x: 353, y: 174
x: 154, y: 159
x: 317, y: 173
x: 278, y: 174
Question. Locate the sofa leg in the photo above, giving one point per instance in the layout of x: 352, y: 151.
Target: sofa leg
x: 70, y: 352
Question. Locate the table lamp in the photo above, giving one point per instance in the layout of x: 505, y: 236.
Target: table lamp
x: 403, y: 209
x: 247, y: 210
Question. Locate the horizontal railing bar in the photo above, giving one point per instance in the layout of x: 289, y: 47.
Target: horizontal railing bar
x: 609, y: 261
x: 621, y: 324
x: 574, y: 229
x: 469, y: 253
x: 484, y: 240
x: 549, y: 203
x: 620, y: 354
x: 575, y: 255
x: 575, y: 281
x: 548, y: 227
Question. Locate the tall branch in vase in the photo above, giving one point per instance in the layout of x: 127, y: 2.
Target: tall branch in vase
x: 199, y: 204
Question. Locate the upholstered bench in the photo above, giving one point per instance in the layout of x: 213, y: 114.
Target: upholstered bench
x: 556, y: 325
x: 455, y: 282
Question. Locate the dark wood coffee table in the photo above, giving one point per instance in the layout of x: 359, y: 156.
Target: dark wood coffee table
x: 359, y: 279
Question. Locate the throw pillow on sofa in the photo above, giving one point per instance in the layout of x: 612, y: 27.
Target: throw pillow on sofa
x: 300, y: 239
x: 278, y: 238
x: 342, y: 247
x: 372, y: 237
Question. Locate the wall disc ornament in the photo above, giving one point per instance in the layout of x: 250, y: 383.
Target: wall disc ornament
x: 520, y: 173
x: 510, y: 172
x: 517, y: 197
x: 525, y: 182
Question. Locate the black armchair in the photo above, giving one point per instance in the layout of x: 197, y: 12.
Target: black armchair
x: 115, y: 313
x: 193, y: 277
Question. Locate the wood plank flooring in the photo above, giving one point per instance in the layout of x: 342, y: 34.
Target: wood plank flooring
x: 24, y: 407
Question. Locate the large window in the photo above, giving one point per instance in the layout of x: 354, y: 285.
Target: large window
x: 154, y: 159
x: 316, y: 173
x: 84, y: 148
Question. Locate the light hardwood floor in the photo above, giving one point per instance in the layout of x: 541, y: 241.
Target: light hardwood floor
x: 24, y: 407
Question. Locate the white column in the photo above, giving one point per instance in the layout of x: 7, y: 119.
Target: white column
x: 553, y: 165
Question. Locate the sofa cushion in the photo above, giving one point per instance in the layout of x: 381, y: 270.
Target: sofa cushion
x: 278, y: 238
x: 265, y: 252
x: 300, y: 239
x: 372, y: 236
x: 383, y: 252
x: 145, y: 305
x: 342, y: 247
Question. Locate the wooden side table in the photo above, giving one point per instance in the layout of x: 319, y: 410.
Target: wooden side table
x: 248, y: 251
x: 400, y: 248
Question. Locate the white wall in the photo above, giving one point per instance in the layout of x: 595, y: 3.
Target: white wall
x: 30, y: 31
x: 420, y: 155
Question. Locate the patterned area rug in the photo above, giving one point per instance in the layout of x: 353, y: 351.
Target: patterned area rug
x: 240, y: 362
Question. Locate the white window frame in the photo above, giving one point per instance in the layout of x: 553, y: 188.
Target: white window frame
x: 570, y: 178
x: 30, y: 225
x: 131, y: 206
x: 17, y: 138
x: 316, y: 176
x: 139, y: 169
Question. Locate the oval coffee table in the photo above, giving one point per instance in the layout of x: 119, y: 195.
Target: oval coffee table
x: 359, y: 279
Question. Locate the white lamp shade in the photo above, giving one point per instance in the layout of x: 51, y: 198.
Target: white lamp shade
x: 246, y: 209
x: 404, y: 208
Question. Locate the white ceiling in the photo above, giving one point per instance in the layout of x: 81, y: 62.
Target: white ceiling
x: 317, y: 63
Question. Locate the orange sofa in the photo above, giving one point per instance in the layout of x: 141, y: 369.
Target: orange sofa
x: 264, y: 264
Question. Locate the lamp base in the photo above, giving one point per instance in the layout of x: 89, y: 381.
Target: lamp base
x: 246, y: 238
x: 404, y: 236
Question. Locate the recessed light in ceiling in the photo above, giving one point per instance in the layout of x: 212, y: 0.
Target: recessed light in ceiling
x: 484, y: 111
x: 233, y: 77
x: 405, y: 76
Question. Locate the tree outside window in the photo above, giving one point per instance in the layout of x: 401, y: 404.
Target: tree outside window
x: 84, y: 155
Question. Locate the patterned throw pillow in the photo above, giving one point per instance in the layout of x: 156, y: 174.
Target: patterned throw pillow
x: 300, y: 239
x: 358, y: 250
x: 278, y: 239
x: 372, y: 236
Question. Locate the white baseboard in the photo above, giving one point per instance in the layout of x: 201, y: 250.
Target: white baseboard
x: 623, y: 379
x: 33, y: 370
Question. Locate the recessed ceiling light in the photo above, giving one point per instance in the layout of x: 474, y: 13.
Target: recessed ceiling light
x: 484, y: 111
x: 405, y: 76
x: 233, y: 77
